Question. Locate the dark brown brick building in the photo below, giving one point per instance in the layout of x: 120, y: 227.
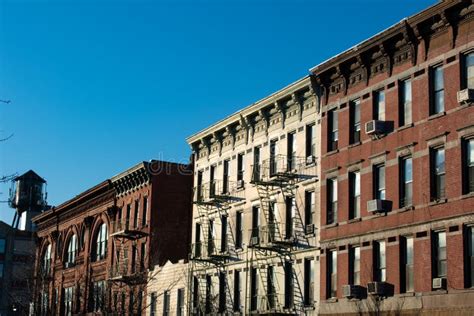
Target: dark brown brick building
x: 397, y: 183
x: 96, y: 250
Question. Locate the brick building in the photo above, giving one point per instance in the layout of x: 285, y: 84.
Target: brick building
x: 255, y: 208
x: 96, y: 250
x: 397, y: 182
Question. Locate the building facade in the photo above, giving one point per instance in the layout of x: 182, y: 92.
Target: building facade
x: 397, y: 168
x: 96, y: 250
x: 255, y: 212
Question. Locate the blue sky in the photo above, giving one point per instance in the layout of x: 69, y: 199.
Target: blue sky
x: 97, y: 86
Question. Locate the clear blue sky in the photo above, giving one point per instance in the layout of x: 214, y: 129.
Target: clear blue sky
x: 97, y: 86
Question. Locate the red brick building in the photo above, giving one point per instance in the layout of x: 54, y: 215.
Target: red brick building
x: 397, y: 183
x: 96, y: 250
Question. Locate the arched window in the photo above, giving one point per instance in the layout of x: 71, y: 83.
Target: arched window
x: 71, y: 251
x: 101, y: 242
x: 46, y: 261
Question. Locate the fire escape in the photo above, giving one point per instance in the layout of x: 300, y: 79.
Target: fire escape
x: 210, y: 255
x: 272, y: 241
x: 127, y: 269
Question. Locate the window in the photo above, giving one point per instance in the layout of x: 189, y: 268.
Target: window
x: 210, y: 237
x: 273, y: 156
x: 237, y: 291
x: 1, y: 270
x: 180, y: 303
x: 379, y: 262
x: 355, y: 121
x: 405, y: 103
x: 468, y: 166
x: 333, y: 134
x: 354, y: 265
x: 406, y: 185
x: 145, y: 211
x: 212, y: 183
x: 199, y: 186
x: 127, y: 219
x: 308, y: 282
x: 256, y: 164
x: 310, y: 143
x: 255, y: 221
x: 68, y: 297
x: 437, y: 93
x: 407, y: 283
x: 135, y: 215
x: 139, y: 302
x: 468, y: 71
x: 354, y: 186
x: 290, y: 215
x: 142, y: 256
x: 253, y: 289
x: 166, y: 303
x: 379, y: 105
x: 153, y: 300
x: 332, y: 274
x: 440, y: 259
x: 131, y: 302
x: 379, y: 182
x: 134, y: 258
x: 71, y: 251
x: 240, y: 167
x: 44, y: 303
x: 437, y: 174
x: 196, y: 294
x: 197, y: 240
x: 289, y: 284
x: 291, y: 151
x: 222, y: 291
x: 470, y: 256
x: 332, y: 201
x: 223, y: 233
x: 46, y: 262
x: 3, y: 244
x: 271, y: 286
x: 98, y: 296
x: 309, y: 207
x: 209, y: 298
x: 238, y: 229
x: 225, y: 176
x: 101, y: 242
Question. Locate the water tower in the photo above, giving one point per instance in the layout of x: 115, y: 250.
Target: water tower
x: 28, y: 198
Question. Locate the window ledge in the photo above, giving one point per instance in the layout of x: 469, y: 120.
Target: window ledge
x: 407, y: 294
x: 437, y: 115
x: 331, y: 225
x: 435, y: 292
x: 354, y: 220
x: 436, y: 202
x: 331, y: 300
x: 466, y: 105
x: 467, y: 195
x: 332, y: 152
x: 354, y: 145
x: 405, y: 209
x: 404, y: 127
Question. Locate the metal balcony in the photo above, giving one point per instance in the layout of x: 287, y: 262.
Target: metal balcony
x: 126, y: 229
x: 125, y: 273
x: 210, y: 251
x: 218, y: 191
x: 282, y: 169
x: 276, y: 236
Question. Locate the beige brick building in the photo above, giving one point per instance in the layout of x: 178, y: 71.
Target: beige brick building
x: 255, y: 208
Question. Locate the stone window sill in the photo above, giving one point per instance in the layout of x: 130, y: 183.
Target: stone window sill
x: 404, y: 127
x: 332, y: 152
x: 354, y: 220
x: 436, y: 202
x: 405, y: 209
x: 331, y: 300
x: 354, y: 145
x: 331, y: 225
x: 437, y: 115
x: 467, y: 195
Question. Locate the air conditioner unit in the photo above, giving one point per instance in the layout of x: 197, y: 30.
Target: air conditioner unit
x: 379, y: 206
x: 352, y: 291
x: 439, y: 283
x: 254, y: 241
x: 375, y: 127
x: 310, y: 160
x: 309, y: 229
x: 240, y: 184
x: 383, y: 289
x: 466, y: 95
